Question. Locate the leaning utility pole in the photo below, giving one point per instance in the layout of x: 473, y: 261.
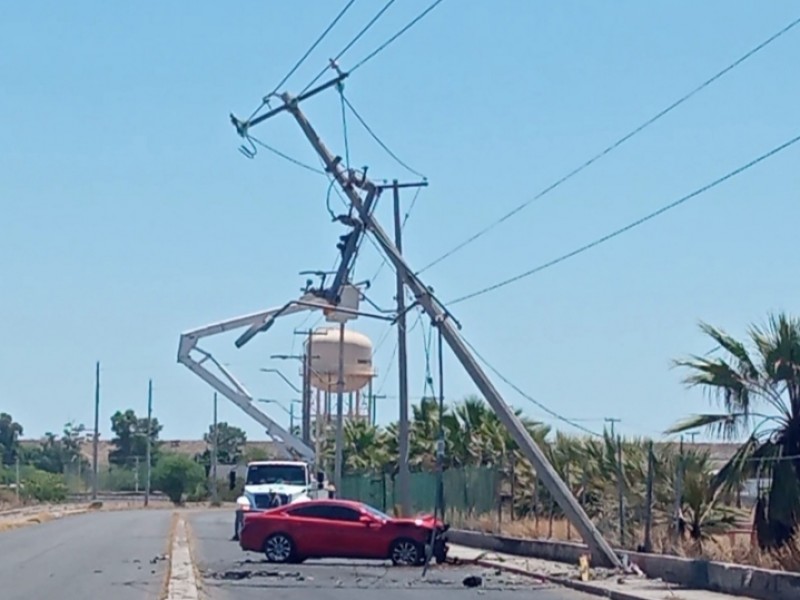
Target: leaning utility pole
x: 600, y: 548
x: 96, y: 439
x: 149, y: 467
x: 403, y: 474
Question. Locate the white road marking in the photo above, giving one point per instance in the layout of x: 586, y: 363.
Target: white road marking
x: 182, y: 582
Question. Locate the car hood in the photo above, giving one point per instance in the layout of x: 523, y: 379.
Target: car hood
x: 427, y: 521
x: 276, y: 488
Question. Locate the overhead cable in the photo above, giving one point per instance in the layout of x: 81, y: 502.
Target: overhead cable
x: 613, y: 146
x: 299, y: 63
x: 379, y: 141
x: 386, y: 44
x: 254, y: 140
x: 545, y: 408
x: 350, y: 44
x: 313, y: 46
x: 629, y: 226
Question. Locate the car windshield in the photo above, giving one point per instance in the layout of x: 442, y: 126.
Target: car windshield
x: 289, y: 474
x: 376, y: 513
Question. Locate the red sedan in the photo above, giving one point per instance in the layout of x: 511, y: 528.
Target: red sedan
x: 340, y: 529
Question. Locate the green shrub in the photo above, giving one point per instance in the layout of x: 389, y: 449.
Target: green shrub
x: 176, y: 475
x: 43, y: 486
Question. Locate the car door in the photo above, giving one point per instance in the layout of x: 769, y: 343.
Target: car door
x: 309, y: 525
x: 350, y: 537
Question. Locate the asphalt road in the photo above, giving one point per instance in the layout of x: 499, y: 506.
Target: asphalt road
x: 115, y: 554
x: 228, y: 573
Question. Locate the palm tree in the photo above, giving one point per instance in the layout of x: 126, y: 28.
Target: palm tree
x: 758, y: 388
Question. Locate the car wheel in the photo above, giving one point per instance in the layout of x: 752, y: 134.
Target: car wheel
x: 406, y: 552
x: 279, y: 548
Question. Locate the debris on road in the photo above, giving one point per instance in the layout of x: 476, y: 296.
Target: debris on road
x: 472, y: 581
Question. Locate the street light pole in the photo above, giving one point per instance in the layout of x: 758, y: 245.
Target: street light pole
x: 96, y: 437
x: 149, y: 443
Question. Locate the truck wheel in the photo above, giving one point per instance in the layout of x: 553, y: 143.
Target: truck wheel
x: 279, y: 548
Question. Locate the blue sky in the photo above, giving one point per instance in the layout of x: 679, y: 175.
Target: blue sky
x: 129, y: 215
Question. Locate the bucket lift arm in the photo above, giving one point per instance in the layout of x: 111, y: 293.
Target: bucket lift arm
x: 196, y: 359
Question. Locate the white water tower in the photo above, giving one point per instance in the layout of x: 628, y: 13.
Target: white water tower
x: 357, y: 352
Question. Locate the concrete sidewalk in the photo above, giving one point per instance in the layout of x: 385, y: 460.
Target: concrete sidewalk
x: 603, y: 582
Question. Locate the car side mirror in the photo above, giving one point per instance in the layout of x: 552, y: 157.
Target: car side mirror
x: 366, y: 520
x: 232, y: 480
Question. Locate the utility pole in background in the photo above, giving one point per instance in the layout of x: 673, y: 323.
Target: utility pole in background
x: 149, y: 466
x: 96, y: 439
x: 403, y: 474
x: 612, y: 420
x: 337, y: 465
x: 601, y: 550
x: 214, y: 456
x: 306, y: 406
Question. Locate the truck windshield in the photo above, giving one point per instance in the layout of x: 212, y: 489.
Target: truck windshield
x: 289, y: 474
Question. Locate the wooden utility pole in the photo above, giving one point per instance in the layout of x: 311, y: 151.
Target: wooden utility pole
x: 96, y: 439
x: 403, y: 474
x: 149, y: 466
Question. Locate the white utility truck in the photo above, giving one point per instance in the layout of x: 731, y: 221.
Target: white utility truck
x: 272, y: 483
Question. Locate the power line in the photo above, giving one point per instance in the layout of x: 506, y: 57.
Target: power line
x: 358, y: 36
x: 254, y: 140
x: 379, y: 141
x: 383, y: 46
x: 313, y: 46
x: 265, y: 99
x: 612, y: 147
x: 527, y: 397
x: 630, y: 226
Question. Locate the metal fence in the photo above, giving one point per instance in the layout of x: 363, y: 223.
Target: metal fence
x: 634, y: 504
x: 468, y: 492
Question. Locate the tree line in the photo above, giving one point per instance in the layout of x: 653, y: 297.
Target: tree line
x: 45, y: 467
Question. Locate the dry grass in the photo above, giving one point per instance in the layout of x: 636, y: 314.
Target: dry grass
x: 736, y: 547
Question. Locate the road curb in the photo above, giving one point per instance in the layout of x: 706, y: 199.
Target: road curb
x: 579, y: 586
x: 182, y: 580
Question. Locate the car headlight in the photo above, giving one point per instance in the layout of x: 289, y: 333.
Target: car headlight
x: 242, y: 503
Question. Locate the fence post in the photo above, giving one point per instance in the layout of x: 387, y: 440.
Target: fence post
x: 16, y: 476
x: 535, y: 502
x: 648, y: 515
x: 678, y: 493
x: 620, y: 493
x: 513, y: 463
x: 499, y: 496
